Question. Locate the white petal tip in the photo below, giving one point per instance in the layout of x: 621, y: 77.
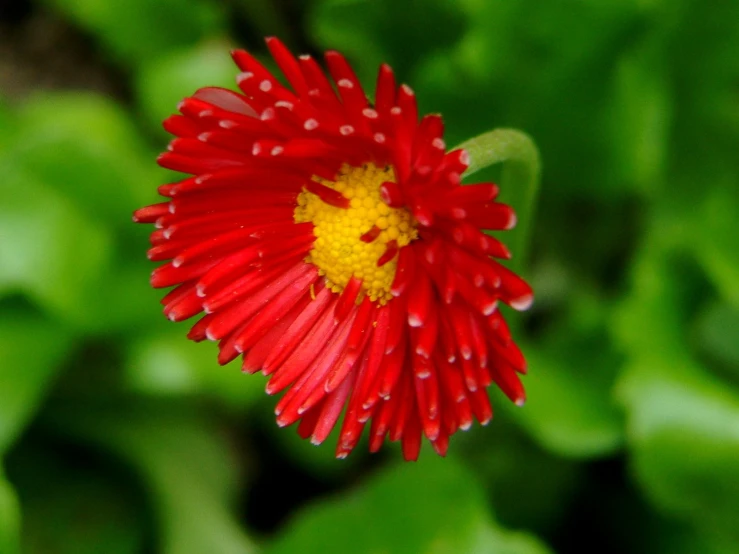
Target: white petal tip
x: 489, y: 309
x: 522, y: 303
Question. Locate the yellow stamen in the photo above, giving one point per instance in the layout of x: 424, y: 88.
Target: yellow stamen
x: 338, y: 251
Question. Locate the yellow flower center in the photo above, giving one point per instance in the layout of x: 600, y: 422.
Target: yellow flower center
x: 351, y: 241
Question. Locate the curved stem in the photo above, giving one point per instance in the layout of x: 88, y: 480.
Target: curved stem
x: 520, y: 178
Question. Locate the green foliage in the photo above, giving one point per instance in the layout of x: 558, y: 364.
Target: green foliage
x: 118, y: 435
x: 166, y: 79
x: 66, y: 135
x: 569, y: 408
x: 76, y: 514
x: 683, y: 423
x: 183, y: 464
x: 132, y: 30
x: 453, y: 518
x: 9, y: 518
x: 159, y: 364
x: 27, y: 371
x: 46, y: 227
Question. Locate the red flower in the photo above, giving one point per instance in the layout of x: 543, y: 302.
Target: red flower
x: 328, y: 240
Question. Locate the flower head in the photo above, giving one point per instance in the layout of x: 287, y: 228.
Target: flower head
x: 329, y: 242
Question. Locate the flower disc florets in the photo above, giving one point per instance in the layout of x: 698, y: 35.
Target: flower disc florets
x: 360, y: 240
x: 329, y: 242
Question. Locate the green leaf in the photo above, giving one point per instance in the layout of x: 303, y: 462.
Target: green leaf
x: 683, y: 430
x: 569, y: 409
x: 180, y: 457
x: 163, y: 81
x: 30, y: 351
x: 530, y: 487
x: 641, y: 119
x: 434, y: 506
x: 7, y: 125
x: 706, y: 68
x: 93, y: 165
x: 86, y: 148
x: 649, y: 318
x: 668, y: 536
x: 128, y: 301
x: 715, y: 240
x: 267, y: 18
x: 134, y: 30
x: 169, y: 364
x: 26, y: 373
x: 9, y: 518
x: 92, y: 509
x: 57, y: 256
x: 682, y: 421
x: 717, y: 336
x: 374, y: 31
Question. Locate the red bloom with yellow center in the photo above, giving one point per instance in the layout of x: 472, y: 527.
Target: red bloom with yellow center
x: 329, y: 242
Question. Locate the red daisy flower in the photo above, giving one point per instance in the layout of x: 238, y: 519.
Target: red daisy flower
x: 329, y: 242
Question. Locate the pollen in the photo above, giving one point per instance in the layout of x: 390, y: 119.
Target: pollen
x: 357, y: 240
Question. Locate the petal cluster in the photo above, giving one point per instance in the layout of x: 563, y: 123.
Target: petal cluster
x: 415, y: 365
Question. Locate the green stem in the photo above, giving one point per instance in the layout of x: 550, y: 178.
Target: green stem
x: 519, y: 179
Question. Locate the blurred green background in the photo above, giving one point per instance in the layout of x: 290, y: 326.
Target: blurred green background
x: 119, y: 436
